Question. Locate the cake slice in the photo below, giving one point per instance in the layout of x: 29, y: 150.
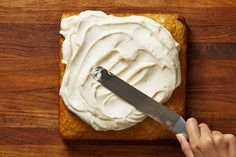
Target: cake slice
x: 72, y: 127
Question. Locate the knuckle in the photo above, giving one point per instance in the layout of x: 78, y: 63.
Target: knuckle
x: 231, y: 138
x: 214, y: 132
x: 204, y: 143
x: 191, y: 121
x: 209, y: 140
x: 195, y: 146
x: 218, y: 139
x: 203, y: 125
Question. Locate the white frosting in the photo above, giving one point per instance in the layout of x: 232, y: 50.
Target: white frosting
x: 135, y: 48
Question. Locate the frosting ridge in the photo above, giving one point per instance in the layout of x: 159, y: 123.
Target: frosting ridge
x: 135, y: 48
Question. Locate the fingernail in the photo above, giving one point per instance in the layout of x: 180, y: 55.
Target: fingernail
x: 179, y: 137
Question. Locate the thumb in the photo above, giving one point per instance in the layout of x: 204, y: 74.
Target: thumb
x: 184, y: 145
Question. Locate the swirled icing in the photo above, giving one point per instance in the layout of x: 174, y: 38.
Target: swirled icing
x: 135, y: 48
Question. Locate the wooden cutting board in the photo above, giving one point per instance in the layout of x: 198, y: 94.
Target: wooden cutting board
x: 29, y: 80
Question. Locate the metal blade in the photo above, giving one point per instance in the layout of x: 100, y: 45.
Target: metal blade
x: 139, y: 100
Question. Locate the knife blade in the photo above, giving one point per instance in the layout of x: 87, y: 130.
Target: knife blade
x: 139, y: 100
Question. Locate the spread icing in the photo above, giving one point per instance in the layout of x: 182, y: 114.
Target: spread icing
x: 135, y: 48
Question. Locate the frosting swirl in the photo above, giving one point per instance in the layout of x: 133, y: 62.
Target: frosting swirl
x: 135, y: 48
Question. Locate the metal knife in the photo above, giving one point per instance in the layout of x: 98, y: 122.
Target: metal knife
x: 139, y: 100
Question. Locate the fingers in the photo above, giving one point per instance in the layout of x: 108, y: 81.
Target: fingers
x: 219, y: 142
x: 184, y: 145
x: 218, y: 139
x: 231, y: 144
x: 206, y: 143
x: 204, y: 130
x: 193, y: 132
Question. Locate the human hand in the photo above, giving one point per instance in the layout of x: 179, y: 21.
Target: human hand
x: 206, y: 143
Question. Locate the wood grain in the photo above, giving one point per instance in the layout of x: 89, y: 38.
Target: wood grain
x: 29, y: 74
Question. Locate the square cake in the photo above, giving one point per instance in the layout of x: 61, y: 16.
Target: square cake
x: 72, y: 127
